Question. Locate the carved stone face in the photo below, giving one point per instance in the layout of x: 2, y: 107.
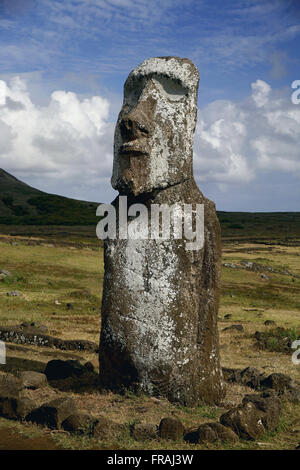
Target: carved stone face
x: 153, y: 145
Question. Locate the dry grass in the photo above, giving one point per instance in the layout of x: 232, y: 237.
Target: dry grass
x: 45, y: 274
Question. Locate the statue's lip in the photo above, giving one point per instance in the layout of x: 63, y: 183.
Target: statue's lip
x: 133, y: 146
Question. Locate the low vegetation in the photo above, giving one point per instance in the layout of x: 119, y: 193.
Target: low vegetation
x: 57, y: 273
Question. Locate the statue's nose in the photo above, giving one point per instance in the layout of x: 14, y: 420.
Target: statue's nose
x: 139, y: 122
x: 134, y: 126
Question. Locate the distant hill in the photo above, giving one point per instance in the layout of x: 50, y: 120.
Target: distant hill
x: 20, y: 204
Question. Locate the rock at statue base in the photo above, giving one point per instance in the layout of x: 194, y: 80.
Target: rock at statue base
x: 160, y: 296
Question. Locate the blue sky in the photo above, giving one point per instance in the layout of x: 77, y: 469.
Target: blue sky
x: 64, y: 62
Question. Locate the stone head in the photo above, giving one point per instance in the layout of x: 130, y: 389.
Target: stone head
x: 153, y: 145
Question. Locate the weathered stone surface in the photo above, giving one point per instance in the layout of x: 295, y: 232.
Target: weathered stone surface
x: 32, y: 380
x: 58, y: 369
x: 277, y: 381
x: 4, y: 273
x: 269, y: 404
x: 16, y: 407
x: 24, y: 407
x: 231, y: 375
x: 171, y: 428
x: 245, y: 420
x: 32, y: 335
x: 252, y: 377
x: 71, y: 375
x: 10, y: 386
x: 79, y: 423
x: 210, y: 432
x: 13, y: 293
x: 144, y: 432
x: 106, y: 429
x: 249, y: 376
x: 53, y: 413
x: 160, y: 301
x: 284, y: 386
x: 254, y: 416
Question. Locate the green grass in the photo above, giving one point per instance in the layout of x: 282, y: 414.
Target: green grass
x: 21, y: 204
x: 279, y: 339
x: 44, y: 274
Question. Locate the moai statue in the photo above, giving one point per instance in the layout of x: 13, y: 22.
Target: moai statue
x: 160, y: 300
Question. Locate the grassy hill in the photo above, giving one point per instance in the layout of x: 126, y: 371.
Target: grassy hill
x: 20, y: 204
x: 276, y: 226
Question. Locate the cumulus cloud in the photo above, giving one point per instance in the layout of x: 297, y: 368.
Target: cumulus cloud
x: 65, y: 145
x: 235, y: 141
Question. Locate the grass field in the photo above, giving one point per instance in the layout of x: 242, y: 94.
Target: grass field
x: 51, y: 268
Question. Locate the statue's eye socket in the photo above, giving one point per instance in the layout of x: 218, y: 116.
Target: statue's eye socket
x: 133, y: 90
x: 172, y: 88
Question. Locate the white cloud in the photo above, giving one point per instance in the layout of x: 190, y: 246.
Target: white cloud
x: 235, y: 141
x: 66, y: 144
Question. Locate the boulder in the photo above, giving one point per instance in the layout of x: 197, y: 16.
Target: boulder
x: 144, y: 432
x: 284, y: 386
x: 171, y: 428
x: 79, y: 423
x: 210, y: 432
x: 16, y: 407
x: 277, y: 381
x: 13, y: 293
x: 53, y: 413
x: 270, y: 405
x: 105, y: 429
x: 10, y: 386
x: 4, y: 273
x: 231, y: 375
x: 32, y: 380
x: 245, y: 420
x: 254, y: 416
x: 58, y: 369
x: 250, y: 376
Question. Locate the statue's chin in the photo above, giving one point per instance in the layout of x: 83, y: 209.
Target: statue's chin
x: 132, y: 188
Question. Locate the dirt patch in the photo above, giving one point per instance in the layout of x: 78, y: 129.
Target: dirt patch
x: 12, y: 440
